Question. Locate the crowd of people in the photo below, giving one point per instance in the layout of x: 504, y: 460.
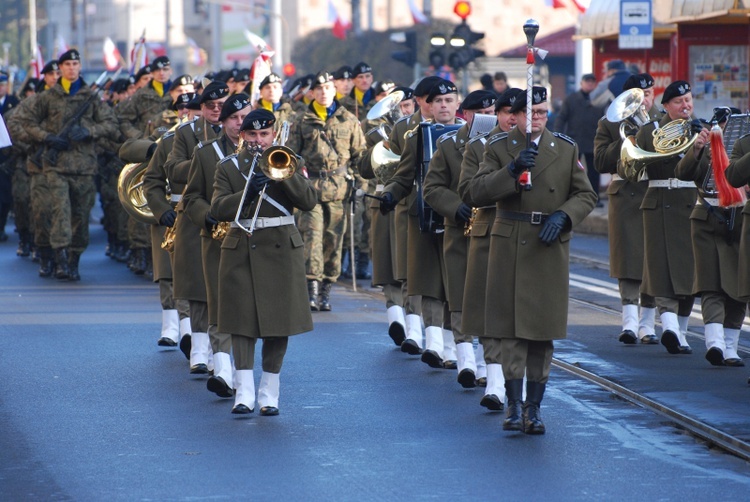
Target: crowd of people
x: 252, y: 190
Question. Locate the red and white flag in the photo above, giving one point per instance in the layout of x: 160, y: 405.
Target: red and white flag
x: 261, y: 69
x: 196, y: 55
x: 139, y: 54
x: 340, y: 25
x: 256, y: 41
x: 37, y: 63
x: 112, y: 55
x: 416, y: 14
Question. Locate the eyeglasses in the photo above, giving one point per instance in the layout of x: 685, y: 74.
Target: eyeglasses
x: 213, y: 105
x: 537, y: 113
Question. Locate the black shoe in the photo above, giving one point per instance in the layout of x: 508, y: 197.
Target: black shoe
x: 491, y: 402
x: 269, y: 411
x: 218, y: 386
x: 325, y: 296
x: 734, y: 362
x: 482, y: 382
x: 73, y: 274
x: 628, y: 337
x: 363, y: 266
x: 715, y: 356
x: 241, y: 409
x: 650, y: 340
x: 46, y: 262
x: 467, y: 378
x: 346, y: 271
x: 685, y: 349
x: 61, y: 266
x: 397, y: 333
x: 450, y: 365
x: 199, y: 369
x: 24, y: 245
x: 432, y: 359
x: 671, y: 342
x: 140, y: 262
x: 532, y: 417
x: 514, y: 393
x: 313, y: 292
x: 186, y: 345
x: 166, y: 342
x: 410, y: 347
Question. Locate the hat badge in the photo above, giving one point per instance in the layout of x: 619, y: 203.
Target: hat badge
x: 486, y: 103
x: 682, y: 89
x: 643, y: 83
x: 238, y: 105
x: 442, y: 89
x: 256, y: 124
x: 537, y: 97
x: 512, y: 100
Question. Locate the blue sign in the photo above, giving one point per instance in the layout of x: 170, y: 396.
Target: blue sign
x: 636, y: 25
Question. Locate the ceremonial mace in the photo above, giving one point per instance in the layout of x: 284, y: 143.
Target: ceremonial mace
x: 530, y: 28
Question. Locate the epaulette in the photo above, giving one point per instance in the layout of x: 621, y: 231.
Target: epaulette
x: 566, y: 138
x: 202, y: 144
x: 372, y: 130
x: 744, y: 136
x: 496, y: 137
x: 167, y: 134
x: 184, y: 124
x: 402, y: 119
x: 228, y: 158
x: 447, y: 136
x: 481, y: 137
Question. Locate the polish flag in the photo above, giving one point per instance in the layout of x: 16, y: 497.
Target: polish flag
x: 260, y: 70
x: 197, y: 55
x: 139, y: 54
x: 256, y: 41
x: 37, y: 64
x: 340, y: 26
x: 112, y: 56
x: 416, y: 14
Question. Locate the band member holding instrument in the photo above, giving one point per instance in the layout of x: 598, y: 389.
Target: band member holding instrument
x: 527, y: 280
x: 626, y: 222
x: 197, y: 201
x: 440, y: 192
x: 715, y: 230
x: 261, y: 276
x: 668, y: 264
x: 478, y: 256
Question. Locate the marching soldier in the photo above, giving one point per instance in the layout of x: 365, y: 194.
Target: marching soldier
x: 716, y: 241
x: 270, y: 99
x: 197, y: 201
x: 71, y: 168
x: 7, y: 103
x: 626, y: 222
x: 188, y: 284
x: 362, y: 97
x: 527, y: 281
x: 301, y: 95
x: 440, y: 192
x: 331, y: 141
x: 259, y: 270
x: 342, y: 80
x: 668, y: 264
x: 425, y: 264
x: 478, y: 256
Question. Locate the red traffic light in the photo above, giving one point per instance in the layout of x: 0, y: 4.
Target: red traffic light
x: 462, y: 9
x: 289, y: 70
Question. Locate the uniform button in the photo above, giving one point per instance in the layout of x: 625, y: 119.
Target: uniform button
x: 523, y: 243
x: 252, y: 247
x: 278, y: 245
x: 666, y: 206
x: 632, y: 194
x: 551, y: 189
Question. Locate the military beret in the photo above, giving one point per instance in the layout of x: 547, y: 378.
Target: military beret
x: 131, y: 79
x: 383, y: 86
x: 146, y: 70
x: 361, y: 68
x: 258, y: 119
x: 120, y: 85
x: 3, y: 78
x: 69, y: 55
x: 30, y: 85
x: 215, y: 90
x: 232, y: 74
x: 638, y: 81
x: 615, y: 64
x: 675, y: 89
x: 270, y: 79
x: 321, y: 78
x: 343, y: 73
x: 50, y: 67
x: 195, y: 103
x: 183, y: 80
x: 183, y: 100
x: 508, y: 97
x: 441, y: 88
x: 160, y: 62
x: 243, y: 75
x: 234, y: 104
x: 538, y: 96
x: 588, y: 76
x: 408, y: 92
x: 424, y: 86
x: 477, y: 100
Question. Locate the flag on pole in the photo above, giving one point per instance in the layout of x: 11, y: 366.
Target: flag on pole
x: 261, y: 69
x: 196, y: 55
x: 256, y: 41
x: 37, y: 63
x: 139, y: 54
x: 112, y: 55
x: 340, y: 26
x: 416, y: 14
x: 60, y: 46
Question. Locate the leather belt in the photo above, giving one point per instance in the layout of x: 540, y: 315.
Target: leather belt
x: 326, y: 174
x: 534, y: 217
x: 710, y: 201
x: 670, y: 183
x: 175, y: 197
x: 266, y: 222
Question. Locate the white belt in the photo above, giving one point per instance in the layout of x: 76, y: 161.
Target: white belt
x: 379, y: 188
x: 709, y: 201
x: 266, y: 222
x: 175, y: 197
x: 670, y: 183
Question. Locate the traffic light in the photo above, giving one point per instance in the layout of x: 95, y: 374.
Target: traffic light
x: 408, y: 56
x: 462, y: 41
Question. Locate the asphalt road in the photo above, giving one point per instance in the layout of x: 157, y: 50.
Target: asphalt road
x: 92, y: 409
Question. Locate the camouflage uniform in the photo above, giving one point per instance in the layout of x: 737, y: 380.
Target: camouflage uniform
x: 283, y: 113
x: 329, y: 148
x: 21, y: 190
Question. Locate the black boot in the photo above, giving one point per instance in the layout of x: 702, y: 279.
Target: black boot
x: 514, y: 393
x: 363, y: 265
x: 46, y: 262
x: 140, y: 263
x: 24, y: 244
x: 110, y: 249
x: 532, y: 417
x: 61, y: 268
x: 346, y: 273
x: 122, y: 253
x: 73, y: 267
x: 325, y: 293
x: 312, y: 291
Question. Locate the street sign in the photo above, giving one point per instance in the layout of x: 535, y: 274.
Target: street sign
x: 636, y: 25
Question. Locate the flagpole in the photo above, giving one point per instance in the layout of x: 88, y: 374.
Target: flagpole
x: 530, y: 28
x: 32, y: 29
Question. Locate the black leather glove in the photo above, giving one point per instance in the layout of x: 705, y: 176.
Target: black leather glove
x: 79, y: 133
x: 523, y: 162
x: 257, y: 182
x: 167, y: 219
x: 463, y: 213
x: 56, y: 142
x: 387, y: 203
x: 696, y: 126
x: 210, y: 221
x: 556, y: 223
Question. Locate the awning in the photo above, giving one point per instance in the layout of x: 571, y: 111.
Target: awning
x: 602, y: 19
x: 698, y: 10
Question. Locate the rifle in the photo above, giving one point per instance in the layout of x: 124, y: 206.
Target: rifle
x: 50, y: 154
